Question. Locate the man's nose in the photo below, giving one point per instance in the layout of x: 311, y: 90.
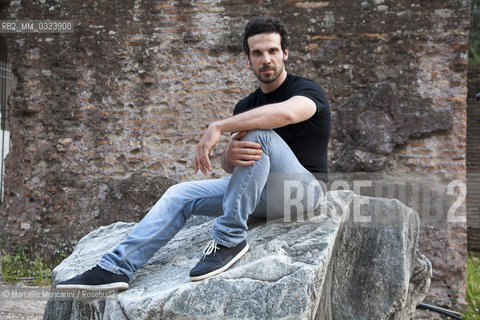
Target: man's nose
x: 266, y: 59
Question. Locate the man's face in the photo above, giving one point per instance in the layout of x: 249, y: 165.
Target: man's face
x: 266, y: 56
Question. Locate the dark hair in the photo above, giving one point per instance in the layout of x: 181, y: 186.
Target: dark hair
x: 265, y: 24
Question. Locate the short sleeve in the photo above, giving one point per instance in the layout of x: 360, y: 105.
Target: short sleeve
x: 313, y: 91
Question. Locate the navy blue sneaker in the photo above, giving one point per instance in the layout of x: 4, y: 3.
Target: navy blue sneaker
x: 216, y: 259
x: 95, y: 279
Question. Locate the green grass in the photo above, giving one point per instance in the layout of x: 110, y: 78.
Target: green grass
x: 472, y: 294
x: 18, y: 267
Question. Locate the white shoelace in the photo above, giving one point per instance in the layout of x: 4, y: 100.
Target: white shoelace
x: 211, y: 247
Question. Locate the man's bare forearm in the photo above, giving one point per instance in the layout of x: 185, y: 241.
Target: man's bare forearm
x: 269, y: 116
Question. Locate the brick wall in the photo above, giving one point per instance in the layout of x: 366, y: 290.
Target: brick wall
x: 104, y: 119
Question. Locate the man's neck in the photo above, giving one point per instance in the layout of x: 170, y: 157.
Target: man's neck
x: 270, y: 87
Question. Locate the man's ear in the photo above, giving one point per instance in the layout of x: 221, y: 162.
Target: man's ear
x: 285, y: 54
x: 249, y: 63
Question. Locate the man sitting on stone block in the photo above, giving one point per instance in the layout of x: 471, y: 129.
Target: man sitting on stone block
x: 282, y: 128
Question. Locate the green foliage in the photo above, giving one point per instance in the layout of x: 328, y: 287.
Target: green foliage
x: 20, y: 267
x: 472, y: 294
x: 474, y: 38
x: 474, y: 57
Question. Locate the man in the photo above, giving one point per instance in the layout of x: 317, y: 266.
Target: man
x: 297, y: 111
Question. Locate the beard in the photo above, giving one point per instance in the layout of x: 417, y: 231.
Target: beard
x: 268, y: 77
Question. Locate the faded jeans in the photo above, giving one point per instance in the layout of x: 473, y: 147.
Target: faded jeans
x: 256, y: 189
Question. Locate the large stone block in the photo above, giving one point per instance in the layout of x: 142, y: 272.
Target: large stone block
x: 332, y: 265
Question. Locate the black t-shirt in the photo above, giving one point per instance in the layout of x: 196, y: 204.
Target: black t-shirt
x: 307, y: 139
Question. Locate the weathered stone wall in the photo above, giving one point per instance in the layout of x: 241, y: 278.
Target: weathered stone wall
x: 104, y: 117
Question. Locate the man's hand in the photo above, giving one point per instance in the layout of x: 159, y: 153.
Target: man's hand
x: 241, y: 153
x: 202, y: 153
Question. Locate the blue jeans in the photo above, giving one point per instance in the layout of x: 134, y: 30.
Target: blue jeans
x: 255, y: 189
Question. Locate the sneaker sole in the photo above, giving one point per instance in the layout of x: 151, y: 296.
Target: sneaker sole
x: 116, y: 286
x: 222, y: 269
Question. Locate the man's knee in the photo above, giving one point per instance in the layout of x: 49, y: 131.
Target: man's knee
x: 258, y: 135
